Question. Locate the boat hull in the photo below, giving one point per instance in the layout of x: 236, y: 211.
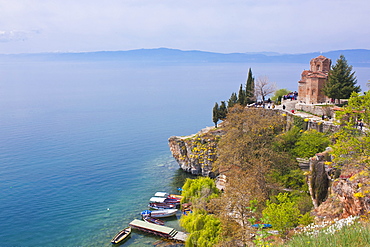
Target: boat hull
x: 159, y: 213
x: 163, y: 213
x: 121, y: 236
x: 153, y: 220
x: 160, y: 206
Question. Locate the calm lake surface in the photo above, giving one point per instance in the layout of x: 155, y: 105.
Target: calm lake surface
x: 79, y: 138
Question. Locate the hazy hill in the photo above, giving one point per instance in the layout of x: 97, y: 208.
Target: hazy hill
x: 356, y: 57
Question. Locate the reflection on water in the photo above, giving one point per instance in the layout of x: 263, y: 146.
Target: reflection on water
x: 179, y: 179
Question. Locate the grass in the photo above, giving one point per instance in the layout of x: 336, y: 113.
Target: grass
x: 355, y: 235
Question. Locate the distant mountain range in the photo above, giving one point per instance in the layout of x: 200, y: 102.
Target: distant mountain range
x: 355, y: 57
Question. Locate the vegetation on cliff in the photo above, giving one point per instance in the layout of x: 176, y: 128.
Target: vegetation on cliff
x: 264, y: 184
x: 340, y: 233
x: 203, y: 227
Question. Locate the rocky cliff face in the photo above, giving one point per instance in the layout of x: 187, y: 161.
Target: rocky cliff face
x: 196, y: 153
x: 318, y: 178
x: 349, y: 193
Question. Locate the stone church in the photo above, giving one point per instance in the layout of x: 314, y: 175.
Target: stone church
x: 312, y: 81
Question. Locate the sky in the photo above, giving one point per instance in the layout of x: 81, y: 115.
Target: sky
x: 226, y: 26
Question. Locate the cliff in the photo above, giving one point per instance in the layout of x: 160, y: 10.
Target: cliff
x: 196, y: 153
x: 337, y: 191
x: 349, y: 193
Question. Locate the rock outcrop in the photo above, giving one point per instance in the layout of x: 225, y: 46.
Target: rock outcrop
x: 349, y: 193
x: 318, y: 178
x: 196, y: 153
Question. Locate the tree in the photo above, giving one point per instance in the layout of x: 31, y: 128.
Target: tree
x: 247, y: 142
x: 285, y: 142
x: 234, y: 206
x: 352, y: 144
x: 204, y: 229
x: 222, y: 111
x: 241, y: 96
x: 232, y: 101
x: 283, y: 215
x: 249, y: 88
x: 280, y: 93
x: 215, y: 115
x: 199, y: 191
x: 341, y: 81
x: 264, y: 87
x: 310, y: 143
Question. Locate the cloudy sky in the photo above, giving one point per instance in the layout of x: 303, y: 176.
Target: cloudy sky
x: 285, y: 26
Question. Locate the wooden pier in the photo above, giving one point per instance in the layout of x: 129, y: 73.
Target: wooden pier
x: 163, y: 231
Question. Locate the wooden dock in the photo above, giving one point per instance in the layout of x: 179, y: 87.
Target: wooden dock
x: 163, y: 231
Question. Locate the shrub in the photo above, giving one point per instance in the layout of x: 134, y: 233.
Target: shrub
x: 306, y: 219
x: 310, y: 143
x: 285, y: 142
x: 204, y: 229
x: 282, y: 215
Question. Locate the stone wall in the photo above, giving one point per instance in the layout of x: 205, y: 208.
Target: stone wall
x: 319, y: 125
x: 316, y: 109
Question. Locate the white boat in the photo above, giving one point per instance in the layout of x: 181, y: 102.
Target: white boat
x: 163, y: 213
x: 160, y: 213
x: 157, y: 199
x: 161, y: 194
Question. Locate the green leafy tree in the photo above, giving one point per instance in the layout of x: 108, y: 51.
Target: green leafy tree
x: 341, y: 81
x: 351, y: 143
x: 249, y: 88
x: 280, y: 93
x: 282, y: 215
x: 285, y: 142
x: 204, y: 229
x: 310, y: 143
x: 232, y: 101
x: 216, y: 114
x: 222, y: 111
x: 241, y: 96
x: 199, y: 191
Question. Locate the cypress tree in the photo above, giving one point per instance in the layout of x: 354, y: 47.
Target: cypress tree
x: 215, y: 114
x: 241, y: 96
x: 222, y: 111
x: 249, y: 88
x: 232, y: 101
x: 341, y: 81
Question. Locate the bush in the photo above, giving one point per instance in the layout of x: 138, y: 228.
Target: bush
x: 285, y: 142
x: 204, y: 229
x: 294, y: 179
x: 199, y: 191
x: 306, y: 219
x: 299, y: 123
x: 310, y: 143
x: 282, y: 215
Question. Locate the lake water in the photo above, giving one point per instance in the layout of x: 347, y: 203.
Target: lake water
x: 79, y: 138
